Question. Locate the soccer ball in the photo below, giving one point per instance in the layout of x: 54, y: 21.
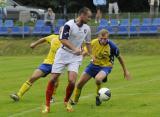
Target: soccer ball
x: 104, y: 94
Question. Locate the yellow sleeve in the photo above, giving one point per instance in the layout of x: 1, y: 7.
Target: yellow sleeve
x: 49, y: 38
x: 92, y: 43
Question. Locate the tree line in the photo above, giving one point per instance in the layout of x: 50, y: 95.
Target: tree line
x: 74, y: 5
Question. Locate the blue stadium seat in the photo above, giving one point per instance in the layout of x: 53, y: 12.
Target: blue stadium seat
x: 133, y: 30
x: 37, y: 31
x: 147, y: 22
x: 156, y: 22
x: 124, y: 22
x: 103, y: 22
x: 114, y: 22
x: 60, y: 22
x: 135, y: 22
x: 153, y: 30
x: 16, y: 30
x: 1, y: 23
x: 56, y: 30
x: 46, y: 30
x: 4, y: 31
x: 100, y: 28
x: 143, y: 30
x: 122, y: 30
x: 8, y: 23
x: 111, y: 30
x: 40, y: 23
x: 26, y: 30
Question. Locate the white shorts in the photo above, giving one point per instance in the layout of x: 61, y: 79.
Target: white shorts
x: 64, y: 59
x: 113, y: 6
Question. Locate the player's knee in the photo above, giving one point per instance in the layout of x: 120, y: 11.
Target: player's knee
x: 98, y: 81
x: 79, y: 85
x: 53, y: 81
x: 33, y: 79
x: 72, y: 82
x: 54, y: 78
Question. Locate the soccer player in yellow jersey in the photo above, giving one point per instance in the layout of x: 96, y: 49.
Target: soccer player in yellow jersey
x: 103, y: 52
x: 44, y: 69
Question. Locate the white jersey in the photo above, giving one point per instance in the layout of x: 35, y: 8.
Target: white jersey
x: 75, y: 34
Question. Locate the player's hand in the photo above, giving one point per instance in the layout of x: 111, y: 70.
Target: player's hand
x: 93, y: 58
x: 77, y: 51
x: 32, y: 45
x: 127, y: 75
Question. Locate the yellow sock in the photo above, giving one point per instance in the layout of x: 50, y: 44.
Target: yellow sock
x: 77, y: 93
x: 24, y: 88
x: 98, y: 88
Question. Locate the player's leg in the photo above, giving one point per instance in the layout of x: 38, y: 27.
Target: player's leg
x: 54, y: 92
x: 26, y: 86
x: 116, y: 10
x: 49, y: 91
x: 110, y: 10
x: 99, y: 79
x: 57, y: 69
x: 72, y: 77
x: 77, y: 91
x: 97, y: 15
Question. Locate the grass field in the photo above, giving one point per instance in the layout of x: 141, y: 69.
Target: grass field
x: 138, y: 97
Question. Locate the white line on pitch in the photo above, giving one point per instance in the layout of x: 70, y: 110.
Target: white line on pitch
x: 83, y: 97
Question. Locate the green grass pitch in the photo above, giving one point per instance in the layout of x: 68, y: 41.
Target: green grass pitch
x: 139, y: 97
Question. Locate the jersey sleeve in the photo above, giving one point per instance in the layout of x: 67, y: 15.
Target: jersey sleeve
x: 65, y: 32
x: 49, y: 38
x: 114, y: 49
x: 88, y: 36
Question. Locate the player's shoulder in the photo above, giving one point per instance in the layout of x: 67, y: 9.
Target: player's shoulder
x: 112, y: 44
x: 70, y: 22
x: 94, y: 41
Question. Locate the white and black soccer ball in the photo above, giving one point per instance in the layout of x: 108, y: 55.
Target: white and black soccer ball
x: 104, y: 94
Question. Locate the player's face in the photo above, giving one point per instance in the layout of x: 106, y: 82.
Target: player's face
x: 103, y: 39
x: 87, y: 17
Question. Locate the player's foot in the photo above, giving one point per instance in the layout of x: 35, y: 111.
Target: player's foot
x: 98, y: 102
x: 69, y: 107
x: 15, y: 97
x: 72, y: 102
x: 52, y: 100
x: 65, y: 104
x: 45, y: 109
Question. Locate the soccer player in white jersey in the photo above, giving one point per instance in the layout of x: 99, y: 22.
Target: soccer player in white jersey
x: 74, y: 33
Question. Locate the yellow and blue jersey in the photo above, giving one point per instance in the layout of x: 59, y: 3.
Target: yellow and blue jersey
x: 104, y: 54
x: 54, y: 42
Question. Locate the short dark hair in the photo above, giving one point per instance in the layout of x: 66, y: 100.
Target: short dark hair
x: 83, y: 10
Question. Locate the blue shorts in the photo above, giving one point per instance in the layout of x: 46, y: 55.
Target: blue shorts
x: 93, y: 70
x: 46, y: 68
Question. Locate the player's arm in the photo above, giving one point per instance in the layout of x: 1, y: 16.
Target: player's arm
x: 40, y: 41
x: 116, y: 52
x: 64, y: 40
x: 125, y: 70
x: 89, y: 44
